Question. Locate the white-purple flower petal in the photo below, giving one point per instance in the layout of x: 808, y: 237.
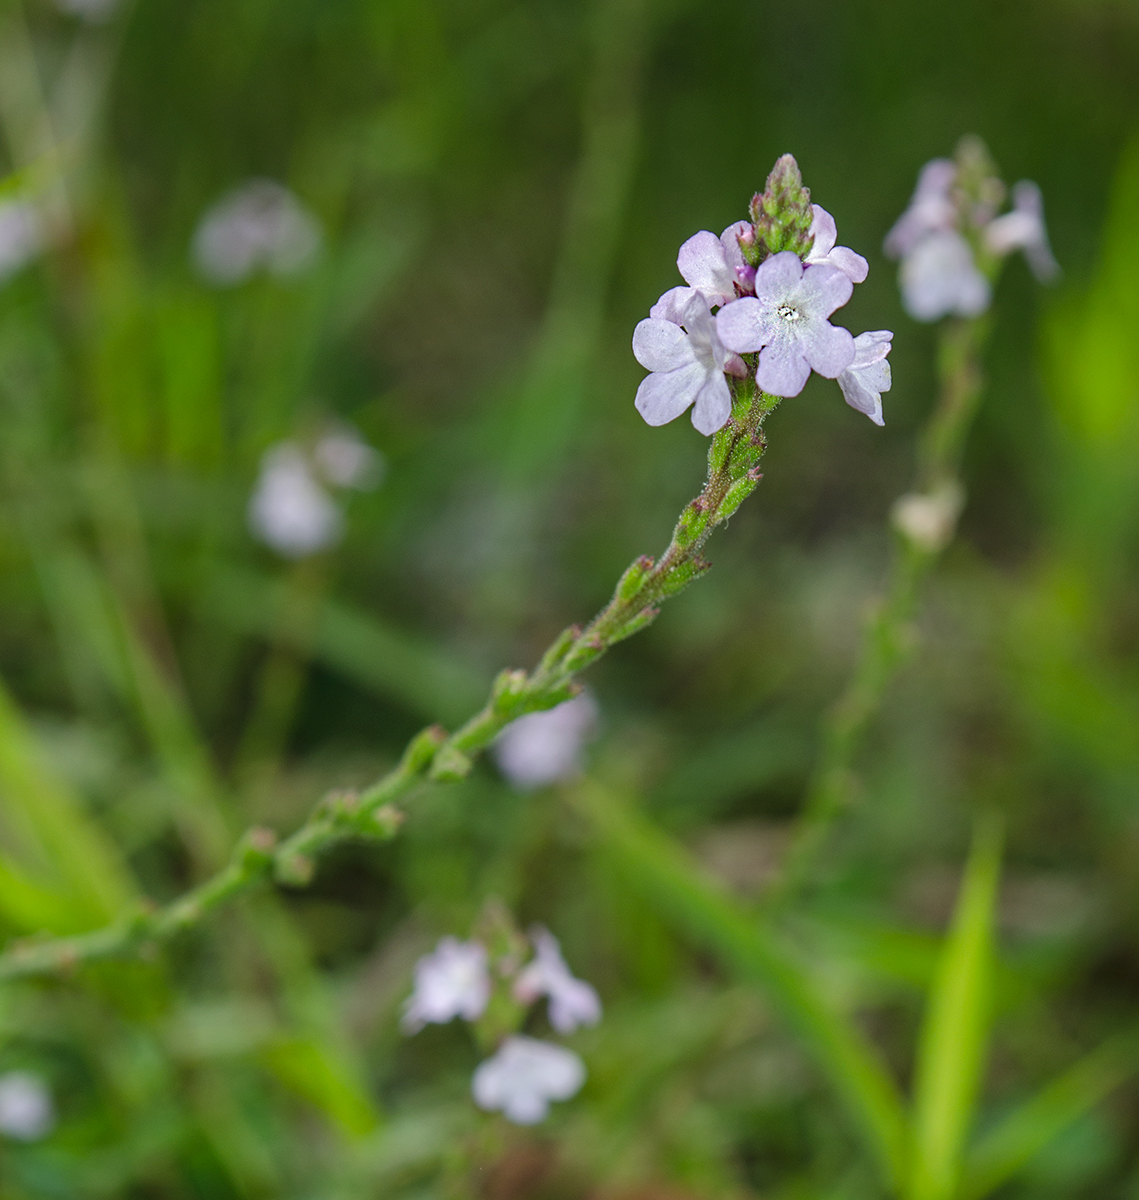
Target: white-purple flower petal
x: 824, y: 251
x: 787, y: 322
x: 452, y: 981
x: 931, y: 209
x: 572, y: 1001
x: 939, y: 276
x: 523, y: 1076
x: 864, y: 381
x: 1024, y: 229
x: 687, y: 362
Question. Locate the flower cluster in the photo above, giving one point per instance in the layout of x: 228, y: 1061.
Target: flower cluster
x: 290, y: 508
x: 757, y: 302
x: 950, y: 239
x: 494, y: 991
x: 260, y: 226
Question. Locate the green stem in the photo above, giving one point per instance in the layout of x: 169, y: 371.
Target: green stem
x: 887, y: 637
x: 433, y: 754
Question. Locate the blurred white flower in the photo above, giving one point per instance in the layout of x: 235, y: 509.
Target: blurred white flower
x: 450, y: 982
x: 572, y: 1001
x: 864, y: 381
x: 939, y: 276
x: 260, y: 226
x: 524, y: 1076
x: 543, y: 747
x: 344, y: 459
x: 1023, y: 229
x: 289, y: 510
x: 21, y: 236
x: 89, y: 10
x: 931, y: 208
x: 929, y: 520
x: 26, y: 1109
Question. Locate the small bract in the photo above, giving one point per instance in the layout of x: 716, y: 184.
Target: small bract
x: 523, y: 1076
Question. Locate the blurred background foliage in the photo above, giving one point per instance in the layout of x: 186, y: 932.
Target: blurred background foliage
x: 502, y: 187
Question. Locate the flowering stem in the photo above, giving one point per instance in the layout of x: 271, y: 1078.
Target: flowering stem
x: 887, y: 636
x: 434, y: 754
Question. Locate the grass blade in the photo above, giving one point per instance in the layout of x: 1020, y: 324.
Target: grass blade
x: 952, y: 1048
x: 752, y: 952
x: 1024, y: 1132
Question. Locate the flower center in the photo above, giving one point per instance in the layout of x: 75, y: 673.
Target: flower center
x: 788, y: 312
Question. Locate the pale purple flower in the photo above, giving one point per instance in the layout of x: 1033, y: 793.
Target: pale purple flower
x: 21, y: 236
x: 543, y: 747
x: 864, y: 381
x: 687, y: 362
x: 289, y: 510
x: 1023, y: 229
x: 26, y: 1109
x: 787, y: 322
x: 261, y: 226
x: 523, y: 1076
x: 714, y: 266
x: 823, y: 249
x: 931, y: 209
x: 572, y: 1001
x: 344, y: 459
x: 940, y: 276
x: 452, y: 981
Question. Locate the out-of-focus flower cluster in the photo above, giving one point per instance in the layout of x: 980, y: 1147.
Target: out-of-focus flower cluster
x: 488, y: 982
x: 765, y: 287
x: 950, y: 239
x: 291, y: 509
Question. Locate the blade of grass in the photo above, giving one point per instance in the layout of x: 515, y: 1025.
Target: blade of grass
x: 1025, y: 1131
x: 750, y: 949
x: 952, y: 1046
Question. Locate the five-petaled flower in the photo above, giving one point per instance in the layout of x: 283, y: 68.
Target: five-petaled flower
x: 523, y: 1076
x: 786, y: 321
x: 452, y: 981
x: 681, y: 348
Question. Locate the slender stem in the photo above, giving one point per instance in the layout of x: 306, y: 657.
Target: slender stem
x: 433, y: 754
x: 925, y: 521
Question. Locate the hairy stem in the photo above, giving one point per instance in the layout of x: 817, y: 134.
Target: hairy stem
x: 434, y: 754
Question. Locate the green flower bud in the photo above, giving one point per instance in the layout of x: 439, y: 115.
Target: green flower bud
x: 782, y: 212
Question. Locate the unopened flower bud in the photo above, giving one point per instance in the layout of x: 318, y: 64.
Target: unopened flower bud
x: 782, y: 212
x: 929, y: 520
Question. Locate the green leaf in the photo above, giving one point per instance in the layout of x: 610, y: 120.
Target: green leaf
x: 1025, y: 1131
x: 751, y: 950
x: 952, y: 1047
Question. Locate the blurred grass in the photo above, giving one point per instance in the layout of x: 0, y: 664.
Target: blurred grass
x: 502, y: 188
